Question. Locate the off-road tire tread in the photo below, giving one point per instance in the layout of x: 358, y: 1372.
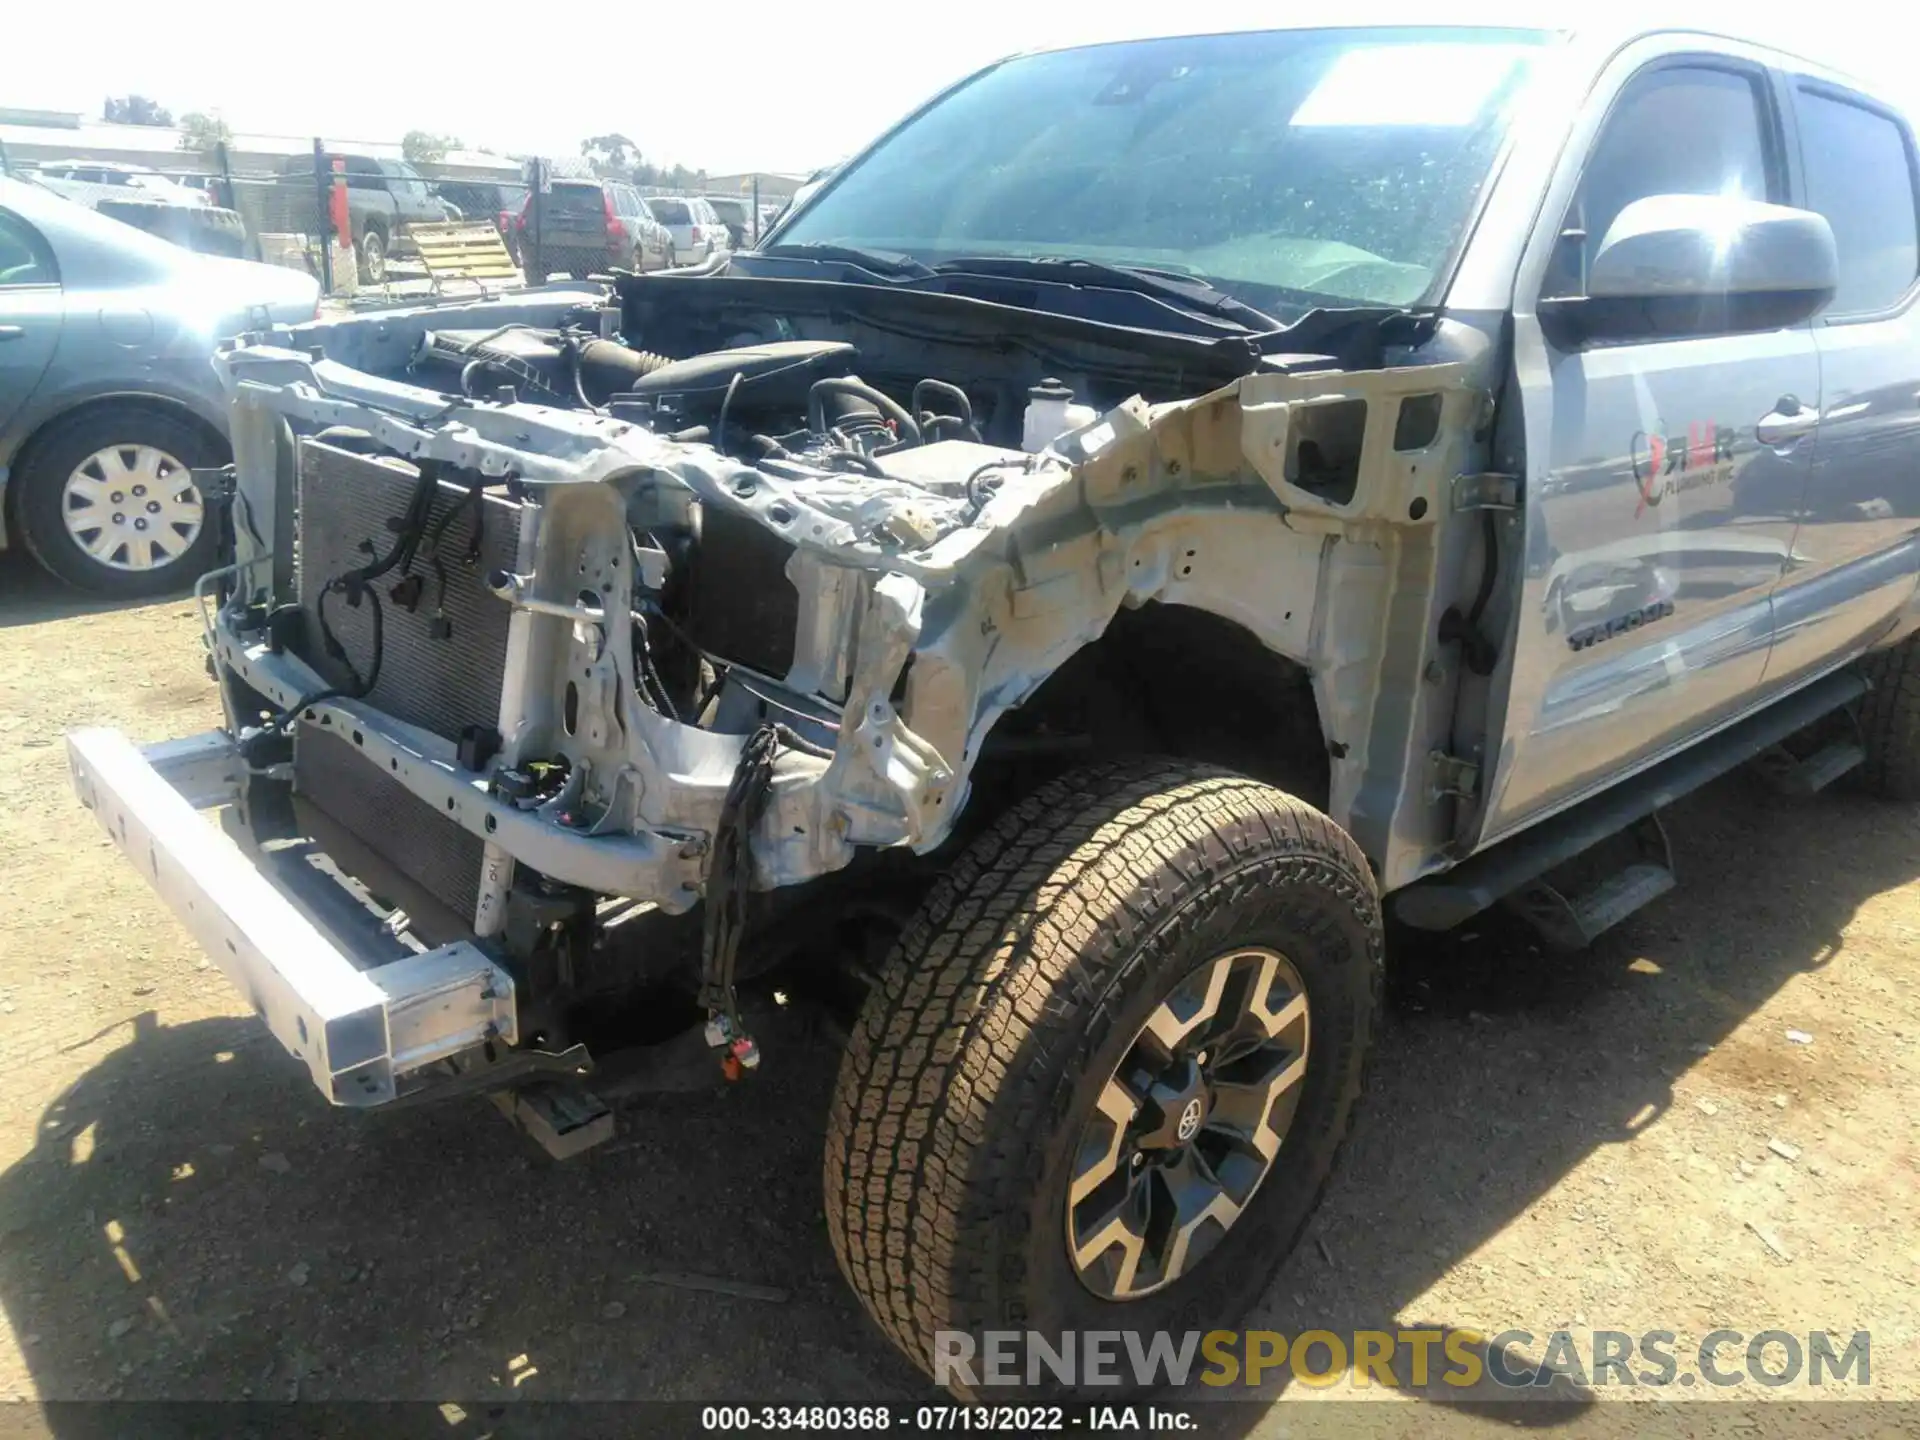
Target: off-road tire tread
x: 1890, y: 722
x: 1032, y: 925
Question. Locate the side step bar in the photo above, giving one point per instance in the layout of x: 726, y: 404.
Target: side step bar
x: 1574, y: 921
x: 1444, y: 901
x: 1799, y: 778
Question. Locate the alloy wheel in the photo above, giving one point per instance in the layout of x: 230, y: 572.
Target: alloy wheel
x: 1188, y: 1125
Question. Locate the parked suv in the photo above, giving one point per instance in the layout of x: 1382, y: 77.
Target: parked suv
x: 588, y: 227
x: 1157, y: 509
x: 385, y: 199
x: 697, y: 232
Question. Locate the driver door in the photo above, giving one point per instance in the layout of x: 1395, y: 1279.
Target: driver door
x: 1662, y: 473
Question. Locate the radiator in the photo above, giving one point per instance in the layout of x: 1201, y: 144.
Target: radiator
x: 439, y: 684
x: 400, y: 828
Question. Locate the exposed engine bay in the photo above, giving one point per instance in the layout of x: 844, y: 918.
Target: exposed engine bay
x: 684, y: 604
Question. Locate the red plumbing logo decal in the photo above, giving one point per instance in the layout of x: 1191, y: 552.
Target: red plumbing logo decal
x: 1665, y: 465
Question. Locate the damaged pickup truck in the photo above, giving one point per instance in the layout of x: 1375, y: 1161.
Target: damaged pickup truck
x: 1160, y: 503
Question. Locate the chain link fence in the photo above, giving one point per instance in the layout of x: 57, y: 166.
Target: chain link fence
x: 352, y: 215
x: 576, y: 222
x: 358, y: 221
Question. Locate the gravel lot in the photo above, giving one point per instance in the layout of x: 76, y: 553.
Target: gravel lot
x: 1548, y: 1142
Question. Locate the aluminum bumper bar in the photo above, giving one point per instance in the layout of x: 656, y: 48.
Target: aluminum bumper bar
x: 357, y: 1024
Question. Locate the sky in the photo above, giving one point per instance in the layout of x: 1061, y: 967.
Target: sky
x: 757, y: 85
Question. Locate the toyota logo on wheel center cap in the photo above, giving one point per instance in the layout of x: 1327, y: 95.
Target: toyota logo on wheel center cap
x: 1190, y: 1118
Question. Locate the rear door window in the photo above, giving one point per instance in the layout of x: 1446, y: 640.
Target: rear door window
x: 576, y: 202
x: 25, y: 258
x: 1859, y: 165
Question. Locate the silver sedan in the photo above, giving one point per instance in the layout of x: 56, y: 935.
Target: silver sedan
x: 108, y: 398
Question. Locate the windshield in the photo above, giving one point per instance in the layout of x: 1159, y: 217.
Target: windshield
x: 669, y: 212
x: 1288, y: 168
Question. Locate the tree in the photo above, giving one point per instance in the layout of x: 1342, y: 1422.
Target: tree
x: 423, y: 147
x: 613, y: 156
x: 136, y: 110
x: 202, y: 133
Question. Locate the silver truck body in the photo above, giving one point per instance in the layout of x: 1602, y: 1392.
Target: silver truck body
x: 1684, y: 532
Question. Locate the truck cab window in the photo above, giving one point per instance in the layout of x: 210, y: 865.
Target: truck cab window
x: 1677, y: 130
x: 1860, y: 176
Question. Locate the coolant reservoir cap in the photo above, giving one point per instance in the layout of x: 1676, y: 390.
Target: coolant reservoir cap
x: 1050, y: 389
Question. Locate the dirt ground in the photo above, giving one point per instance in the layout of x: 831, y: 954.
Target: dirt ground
x: 1548, y: 1143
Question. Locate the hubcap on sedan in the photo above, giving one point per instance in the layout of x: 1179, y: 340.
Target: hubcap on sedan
x: 1188, y: 1125
x: 132, y: 507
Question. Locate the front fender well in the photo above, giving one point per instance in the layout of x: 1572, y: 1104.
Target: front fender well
x: 1235, y: 583
x: 1170, y: 679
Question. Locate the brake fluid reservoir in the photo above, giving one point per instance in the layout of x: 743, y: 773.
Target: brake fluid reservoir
x: 1051, y: 413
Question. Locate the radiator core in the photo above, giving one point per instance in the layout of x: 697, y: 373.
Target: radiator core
x: 443, y: 685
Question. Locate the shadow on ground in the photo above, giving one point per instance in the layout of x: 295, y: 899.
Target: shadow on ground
x: 29, y: 595
x: 193, y: 1221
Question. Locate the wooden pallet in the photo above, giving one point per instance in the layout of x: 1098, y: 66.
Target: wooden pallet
x: 464, y: 250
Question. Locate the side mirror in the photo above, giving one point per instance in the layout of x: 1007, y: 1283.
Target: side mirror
x: 1678, y: 265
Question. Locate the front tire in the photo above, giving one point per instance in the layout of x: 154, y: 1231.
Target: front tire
x: 108, y: 503
x: 1890, y: 722
x: 995, y: 1082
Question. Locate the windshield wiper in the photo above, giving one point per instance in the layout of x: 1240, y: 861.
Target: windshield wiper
x: 1189, y: 291
x: 889, y: 263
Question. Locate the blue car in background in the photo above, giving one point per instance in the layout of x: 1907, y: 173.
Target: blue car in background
x: 108, y: 399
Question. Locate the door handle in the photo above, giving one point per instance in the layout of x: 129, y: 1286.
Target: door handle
x: 1786, y: 422
x: 11, y: 332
